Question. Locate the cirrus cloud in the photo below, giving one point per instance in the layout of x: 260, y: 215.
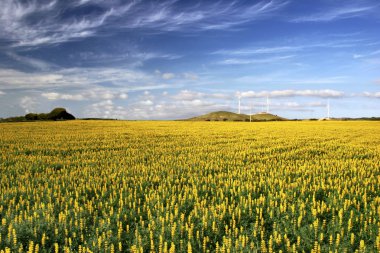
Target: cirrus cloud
x: 341, y: 12
x: 21, y: 26
x: 327, y: 93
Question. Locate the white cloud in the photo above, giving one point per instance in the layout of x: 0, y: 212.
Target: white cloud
x: 102, y: 109
x: 57, y: 96
x: 147, y: 106
x: 172, y: 110
x: 197, y: 103
x: 106, y: 95
x: 147, y: 102
x: 51, y: 95
x: 189, y: 103
x: 188, y: 95
x: 343, y: 12
x: 225, y: 96
x: 2, y: 93
x: 28, y: 104
x: 123, y: 95
x: 316, y: 104
x: 77, y: 97
x: 292, y: 93
x: 168, y: 76
x: 190, y: 76
x: 372, y: 94
x: 94, y: 94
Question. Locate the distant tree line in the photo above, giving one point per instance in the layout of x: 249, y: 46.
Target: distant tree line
x: 56, y: 114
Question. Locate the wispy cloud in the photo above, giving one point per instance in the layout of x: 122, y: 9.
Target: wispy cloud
x: 337, y: 13
x: 31, y: 62
x: 242, y: 61
x: 57, y: 96
x: 14, y: 79
x: 21, y: 27
x: 190, y: 95
x: 297, y: 46
x: 260, y: 50
x: 2, y: 93
x: 77, y: 77
x: 81, y: 95
x: 166, y: 16
x: 322, y: 80
x: 372, y: 94
x: 190, y: 76
x: 133, y: 57
x: 281, y: 79
x: 168, y: 76
x: 369, y: 54
x: 292, y: 93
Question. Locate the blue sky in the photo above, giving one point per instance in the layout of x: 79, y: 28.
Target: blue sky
x: 177, y: 59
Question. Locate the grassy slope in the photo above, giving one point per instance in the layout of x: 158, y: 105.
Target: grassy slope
x: 230, y: 116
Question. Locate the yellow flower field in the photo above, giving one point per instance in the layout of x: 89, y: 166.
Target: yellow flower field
x: 120, y: 186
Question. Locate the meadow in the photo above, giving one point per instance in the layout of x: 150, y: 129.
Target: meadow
x: 120, y: 186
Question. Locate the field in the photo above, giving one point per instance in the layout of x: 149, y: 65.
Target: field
x: 119, y: 186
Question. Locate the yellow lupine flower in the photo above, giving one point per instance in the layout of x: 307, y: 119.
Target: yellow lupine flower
x: 182, y: 181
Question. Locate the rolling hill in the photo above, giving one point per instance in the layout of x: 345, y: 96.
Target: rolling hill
x: 230, y: 116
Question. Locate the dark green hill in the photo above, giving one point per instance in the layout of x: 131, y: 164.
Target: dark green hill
x: 56, y: 114
x: 60, y: 114
x: 230, y: 116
